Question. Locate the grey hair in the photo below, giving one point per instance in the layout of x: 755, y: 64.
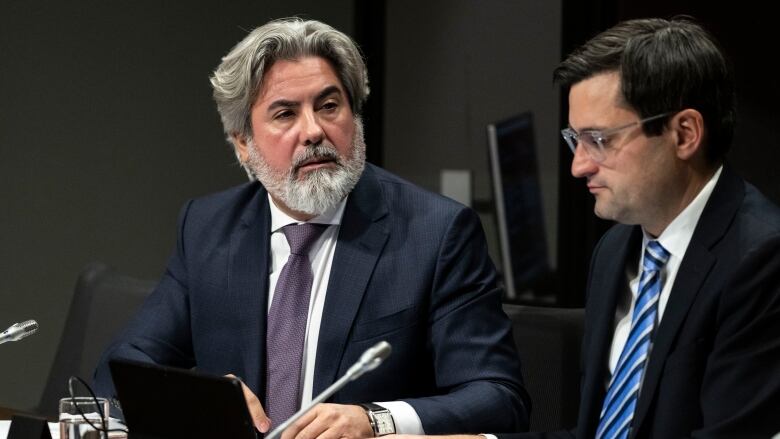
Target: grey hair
x: 239, y: 77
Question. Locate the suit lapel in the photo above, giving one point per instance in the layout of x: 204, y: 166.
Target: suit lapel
x: 248, y: 286
x: 693, y: 272
x: 360, y: 242
x: 604, y: 291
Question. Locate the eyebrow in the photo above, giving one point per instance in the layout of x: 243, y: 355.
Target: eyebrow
x: 327, y: 91
x: 589, y: 128
x: 285, y: 103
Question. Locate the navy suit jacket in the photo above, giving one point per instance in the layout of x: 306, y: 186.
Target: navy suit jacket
x: 714, y: 369
x: 410, y: 267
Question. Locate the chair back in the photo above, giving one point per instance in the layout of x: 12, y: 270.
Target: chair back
x: 103, y: 302
x: 549, y: 341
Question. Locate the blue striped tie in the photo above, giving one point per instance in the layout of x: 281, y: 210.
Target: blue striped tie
x: 620, y: 402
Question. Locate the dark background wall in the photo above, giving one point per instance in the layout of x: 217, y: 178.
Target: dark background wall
x: 107, y: 125
x: 453, y: 67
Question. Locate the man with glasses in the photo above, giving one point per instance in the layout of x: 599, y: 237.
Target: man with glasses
x: 682, y: 331
x: 683, y: 297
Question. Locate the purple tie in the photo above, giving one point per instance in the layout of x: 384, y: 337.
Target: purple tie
x: 287, y: 324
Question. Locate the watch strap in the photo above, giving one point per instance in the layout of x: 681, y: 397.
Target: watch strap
x: 372, y: 410
x: 370, y: 406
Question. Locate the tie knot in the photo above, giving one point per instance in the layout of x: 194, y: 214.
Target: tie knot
x: 302, y: 236
x: 656, y: 256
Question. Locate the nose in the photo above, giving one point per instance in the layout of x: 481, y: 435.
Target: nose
x: 582, y: 165
x: 311, y: 130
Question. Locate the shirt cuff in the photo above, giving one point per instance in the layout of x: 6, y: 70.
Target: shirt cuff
x: 404, y: 417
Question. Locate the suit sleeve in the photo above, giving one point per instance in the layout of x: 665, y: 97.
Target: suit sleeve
x: 474, y: 357
x: 160, y: 331
x: 741, y: 382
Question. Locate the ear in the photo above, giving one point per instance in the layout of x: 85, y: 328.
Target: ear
x: 688, y: 125
x: 241, y: 144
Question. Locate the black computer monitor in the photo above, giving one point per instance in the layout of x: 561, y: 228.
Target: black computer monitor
x: 518, y: 204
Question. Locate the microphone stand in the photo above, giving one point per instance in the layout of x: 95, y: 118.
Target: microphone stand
x: 369, y: 361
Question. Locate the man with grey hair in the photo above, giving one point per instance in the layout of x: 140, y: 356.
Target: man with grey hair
x: 286, y: 280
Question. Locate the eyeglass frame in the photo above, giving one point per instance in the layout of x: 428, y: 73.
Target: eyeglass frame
x: 598, y: 150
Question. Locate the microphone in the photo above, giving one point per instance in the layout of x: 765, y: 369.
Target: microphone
x: 369, y: 361
x: 18, y: 331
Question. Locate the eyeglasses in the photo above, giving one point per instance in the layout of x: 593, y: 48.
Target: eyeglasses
x: 596, y: 142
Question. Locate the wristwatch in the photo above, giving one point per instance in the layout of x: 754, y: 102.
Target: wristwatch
x: 380, y: 418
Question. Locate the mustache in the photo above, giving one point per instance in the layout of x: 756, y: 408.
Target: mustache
x: 316, y: 153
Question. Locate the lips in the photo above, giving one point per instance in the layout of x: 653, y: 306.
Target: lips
x: 593, y: 187
x: 315, y: 162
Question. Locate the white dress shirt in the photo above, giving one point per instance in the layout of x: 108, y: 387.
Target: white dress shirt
x: 321, y: 257
x: 675, y: 239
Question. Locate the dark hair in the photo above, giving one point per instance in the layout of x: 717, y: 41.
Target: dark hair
x: 664, y: 65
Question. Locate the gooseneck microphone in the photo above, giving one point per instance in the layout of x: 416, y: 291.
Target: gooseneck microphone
x: 369, y: 361
x: 18, y: 331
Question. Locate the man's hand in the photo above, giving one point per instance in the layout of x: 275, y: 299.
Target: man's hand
x: 259, y: 418
x: 331, y: 421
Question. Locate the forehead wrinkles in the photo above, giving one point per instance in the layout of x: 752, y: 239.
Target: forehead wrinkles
x: 289, y: 79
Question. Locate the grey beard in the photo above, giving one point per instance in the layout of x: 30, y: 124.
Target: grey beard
x: 318, y: 190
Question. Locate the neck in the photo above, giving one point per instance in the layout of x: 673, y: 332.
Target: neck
x: 691, y: 183
x: 297, y: 215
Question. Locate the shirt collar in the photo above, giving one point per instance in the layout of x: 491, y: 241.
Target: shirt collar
x: 677, y: 235
x: 332, y: 216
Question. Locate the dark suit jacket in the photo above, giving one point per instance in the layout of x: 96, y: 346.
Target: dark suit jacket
x: 410, y: 267
x: 714, y: 369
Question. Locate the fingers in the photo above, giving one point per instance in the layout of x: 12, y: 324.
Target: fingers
x: 256, y: 411
x: 331, y: 421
